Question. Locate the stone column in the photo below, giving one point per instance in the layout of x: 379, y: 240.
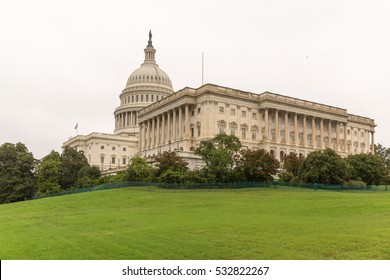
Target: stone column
x: 322, y: 133
x: 174, y: 125
x: 180, y: 123
x: 163, y: 133
x: 140, y: 146
x: 169, y: 126
x: 158, y: 131
x: 277, y: 126
x: 330, y: 134
x: 345, y: 138
x: 313, y: 131
x: 337, y: 136
x: 153, y: 132
x: 148, y: 134
x: 304, y: 130
x: 372, y: 143
x: 266, y: 124
x: 286, y: 130
x: 296, y: 131
x: 186, y: 122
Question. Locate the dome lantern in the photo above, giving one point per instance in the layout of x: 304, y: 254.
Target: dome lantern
x: 150, y: 50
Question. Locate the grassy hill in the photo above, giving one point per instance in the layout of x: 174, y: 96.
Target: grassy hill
x: 150, y: 223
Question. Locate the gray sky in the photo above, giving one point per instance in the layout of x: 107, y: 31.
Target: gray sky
x: 66, y: 62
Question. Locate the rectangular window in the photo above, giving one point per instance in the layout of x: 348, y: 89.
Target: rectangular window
x: 243, y: 133
x: 147, y: 98
x: 254, y: 116
x: 124, y: 149
x: 192, y: 113
x: 253, y: 134
x: 221, y: 128
x: 113, y: 148
x: 101, y: 159
x: 152, y: 98
x: 124, y: 161
x: 221, y: 109
x: 233, y: 131
x: 243, y: 114
x: 199, y: 130
x: 142, y: 98
x: 102, y: 147
x: 113, y: 160
x: 198, y: 110
x: 233, y: 112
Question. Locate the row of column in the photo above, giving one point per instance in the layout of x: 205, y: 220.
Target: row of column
x: 126, y: 119
x: 313, y: 129
x: 165, y: 128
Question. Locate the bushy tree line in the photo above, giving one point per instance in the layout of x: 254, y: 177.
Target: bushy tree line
x: 327, y: 167
x: 225, y: 160
x: 22, y: 176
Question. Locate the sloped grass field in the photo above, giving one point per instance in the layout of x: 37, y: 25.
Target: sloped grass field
x: 151, y: 223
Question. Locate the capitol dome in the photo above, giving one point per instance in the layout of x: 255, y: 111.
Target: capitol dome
x: 146, y: 85
x: 149, y: 73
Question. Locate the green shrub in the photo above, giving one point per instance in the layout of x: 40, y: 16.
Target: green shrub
x: 355, y: 185
x: 286, y: 176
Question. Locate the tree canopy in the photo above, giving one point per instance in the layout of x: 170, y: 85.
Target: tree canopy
x: 324, y: 167
x: 219, y: 155
x: 368, y: 168
x: 72, y: 161
x: 138, y: 170
x: 17, y: 179
x: 257, y: 165
x: 49, y: 174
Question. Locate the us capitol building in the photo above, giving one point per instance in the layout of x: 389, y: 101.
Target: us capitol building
x: 153, y: 118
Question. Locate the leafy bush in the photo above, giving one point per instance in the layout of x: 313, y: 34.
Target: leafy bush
x: 172, y: 176
x: 286, y: 176
x: 355, y: 185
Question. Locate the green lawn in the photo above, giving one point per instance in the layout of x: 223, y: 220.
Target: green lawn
x: 145, y: 223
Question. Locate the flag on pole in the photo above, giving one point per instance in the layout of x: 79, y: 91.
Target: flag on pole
x: 76, y: 126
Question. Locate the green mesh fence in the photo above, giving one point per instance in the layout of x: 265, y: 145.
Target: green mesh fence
x: 214, y: 186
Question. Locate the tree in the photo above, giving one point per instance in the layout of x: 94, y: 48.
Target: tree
x: 88, y: 176
x: 17, y: 179
x: 257, y: 165
x: 71, y: 163
x: 325, y: 167
x: 292, y: 163
x: 291, y: 166
x: 219, y: 155
x: 383, y: 153
x: 49, y: 174
x: 368, y: 168
x: 138, y: 170
x: 171, y: 161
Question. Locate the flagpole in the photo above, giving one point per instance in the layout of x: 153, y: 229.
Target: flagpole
x: 202, y: 68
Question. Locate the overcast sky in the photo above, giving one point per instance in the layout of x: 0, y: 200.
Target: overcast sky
x: 66, y: 62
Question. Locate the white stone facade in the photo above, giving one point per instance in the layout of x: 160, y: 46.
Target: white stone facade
x: 152, y: 118
x: 277, y: 123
